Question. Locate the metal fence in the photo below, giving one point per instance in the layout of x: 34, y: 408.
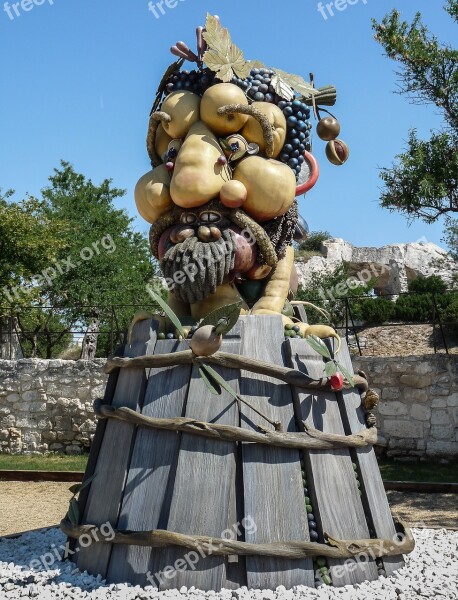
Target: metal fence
x: 54, y: 332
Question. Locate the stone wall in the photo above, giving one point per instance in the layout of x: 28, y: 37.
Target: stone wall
x: 418, y: 410
x: 47, y: 405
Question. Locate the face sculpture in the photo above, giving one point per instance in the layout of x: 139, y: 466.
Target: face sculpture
x: 221, y: 204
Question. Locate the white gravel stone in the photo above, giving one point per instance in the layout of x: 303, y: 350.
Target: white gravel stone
x: 430, y: 572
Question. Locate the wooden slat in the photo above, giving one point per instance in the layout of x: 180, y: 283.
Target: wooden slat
x: 373, y: 488
x: 204, y: 484
x: 153, y: 458
x: 105, y: 494
x: 273, y: 490
x: 331, y: 479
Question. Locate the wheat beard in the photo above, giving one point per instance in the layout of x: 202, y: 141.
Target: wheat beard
x: 204, y: 265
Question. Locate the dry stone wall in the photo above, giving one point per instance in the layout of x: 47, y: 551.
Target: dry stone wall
x: 418, y: 410
x: 47, y: 405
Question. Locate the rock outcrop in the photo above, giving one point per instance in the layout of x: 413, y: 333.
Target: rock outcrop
x: 394, y: 265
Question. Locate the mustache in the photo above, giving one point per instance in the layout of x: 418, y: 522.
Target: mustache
x: 204, y: 265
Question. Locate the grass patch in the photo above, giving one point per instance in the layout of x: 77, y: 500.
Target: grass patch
x: 428, y: 472
x: 49, y: 462
x: 306, y: 255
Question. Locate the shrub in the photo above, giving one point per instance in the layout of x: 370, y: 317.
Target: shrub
x: 450, y: 315
x: 375, y: 311
x: 314, y: 241
x: 433, y: 284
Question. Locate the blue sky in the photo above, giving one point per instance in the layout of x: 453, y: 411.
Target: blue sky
x: 77, y: 81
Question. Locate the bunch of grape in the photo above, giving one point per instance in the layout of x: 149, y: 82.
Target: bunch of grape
x: 191, y: 81
x: 297, y: 116
x: 258, y: 86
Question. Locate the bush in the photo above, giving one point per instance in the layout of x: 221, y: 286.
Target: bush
x: 450, y: 315
x: 375, y: 311
x: 432, y: 284
x: 314, y: 241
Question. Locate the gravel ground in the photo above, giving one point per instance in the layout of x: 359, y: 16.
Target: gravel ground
x: 430, y: 572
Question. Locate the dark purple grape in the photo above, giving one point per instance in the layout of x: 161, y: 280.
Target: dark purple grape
x: 301, y: 136
x: 311, y: 517
x: 288, y: 148
x: 292, y: 121
x: 284, y: 157
x: 295, y: 143
x: 259, y: 97
x: 313, y: 536
x: 287, y: 111
x: 293, y: 133
x: 296, y: 104
x: 295, y: 154
x: 293, y: 163
x: 263, y: 88
x: 301, y: 159
x: 312, y: 525
x: 270, y: 98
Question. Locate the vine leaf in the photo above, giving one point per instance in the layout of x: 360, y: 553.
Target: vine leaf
x: 223, y: 57
x: 282, y: 88
x: 348, y: 376
x: 330, y: 368
x: 219, y: 380
x: 296, y: 82
x: 168, y: 311
x: 223, y: 318
x: 318, y: 346
x: 209, y: 380
x: 74, y: 512
x: 161, y: 87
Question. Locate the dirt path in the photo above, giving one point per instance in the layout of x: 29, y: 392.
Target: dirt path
x: 25, y: 506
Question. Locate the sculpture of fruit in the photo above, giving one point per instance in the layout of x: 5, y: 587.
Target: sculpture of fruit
x: 205, y: 341
x: 216, y: 97
x: 152, y: 194
x: 328, y: 129
x: 245, y: 253
x: 162, y: 141
x: 252, y: 130
x: 233, y: 194
x: 258, y: 272
x: 337, y: 152
x: 184, y: 110
x: 271, y: 187
x: 198, y: 177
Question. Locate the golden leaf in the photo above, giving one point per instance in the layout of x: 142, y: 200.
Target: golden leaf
x: 296, y: 82
x: 223, y: 57
x: 282, y: 88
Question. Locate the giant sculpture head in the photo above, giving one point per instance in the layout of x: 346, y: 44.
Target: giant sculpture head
x: 229, y: 144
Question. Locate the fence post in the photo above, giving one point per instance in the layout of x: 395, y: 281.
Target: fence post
x: 436, y: 311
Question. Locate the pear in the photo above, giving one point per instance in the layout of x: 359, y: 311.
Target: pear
x: 216, y: 97
x: 252, y: 130
x: 184, y: 110
x: 152, y: 194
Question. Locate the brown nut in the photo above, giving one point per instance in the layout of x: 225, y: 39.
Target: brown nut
x: 328, y: 129
x: 180, y: 234
x: 337, y: 152
x: 205, y: 341
x: 215, y: 233
x: 203, y: 233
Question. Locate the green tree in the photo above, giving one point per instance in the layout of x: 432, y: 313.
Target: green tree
x: 423, y: 182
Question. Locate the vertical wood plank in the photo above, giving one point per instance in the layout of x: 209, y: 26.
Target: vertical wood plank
x: 332, y: 482
x: 153, y: 458
x: 105, y: 494
x: 273, y: 489
x: 373, y: 489
x: 204, y: 483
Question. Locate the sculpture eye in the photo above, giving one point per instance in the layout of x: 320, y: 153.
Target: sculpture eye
x: 188, y: 218
x: 209, y: 217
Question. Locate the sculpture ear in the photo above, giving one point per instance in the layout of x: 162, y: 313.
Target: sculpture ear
x: 308, y: 175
